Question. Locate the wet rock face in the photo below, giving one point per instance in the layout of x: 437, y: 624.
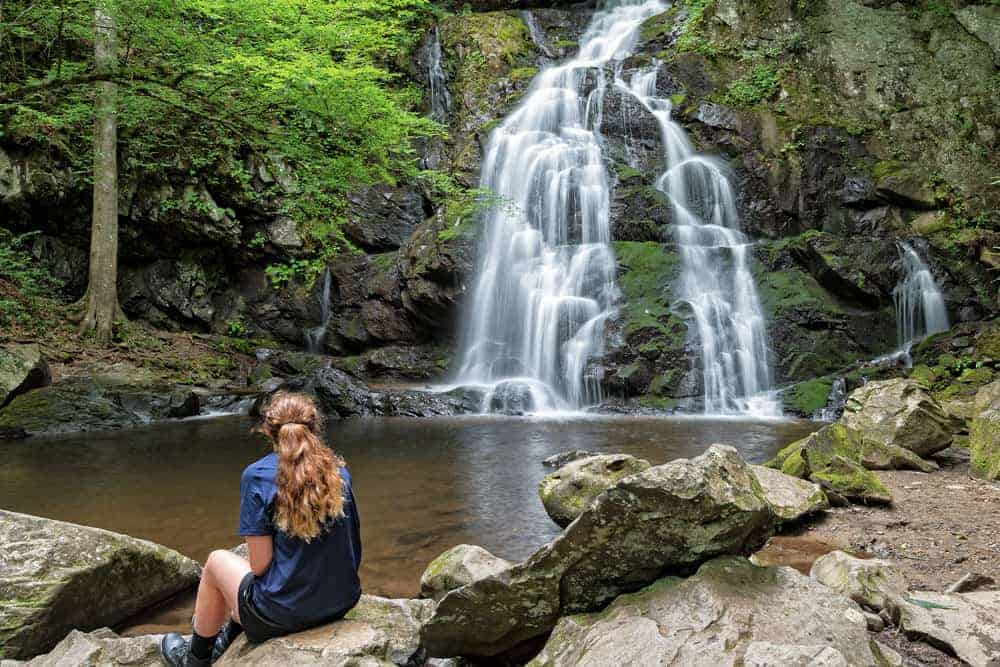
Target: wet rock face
x: 381, y: 218
x: 59, y: 576
x: 567, y: 492
x: 666, y: 518
x: 730, y: 612
x: 901, y: 413
x: 97, y: 404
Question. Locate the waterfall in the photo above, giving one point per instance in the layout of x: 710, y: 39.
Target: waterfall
x: 315, y: 336
x: 716, y: 285
x: 545, y: 281
x: 835, y: 402
x: 440, y: 97
x: 920, y: 308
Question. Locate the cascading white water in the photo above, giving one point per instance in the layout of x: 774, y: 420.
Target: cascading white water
x: 920, y: 309
x: 440, y: 97
x: 835, y: 402
x: 545, y: 282
x: 716, y: 283
x: 537, y: 36
x: 314, y: 336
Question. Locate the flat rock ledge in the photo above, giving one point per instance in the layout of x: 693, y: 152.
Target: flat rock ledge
x: 730, y: 613
x: 668, y: 518
x: 965, y: 624
x: 56, y: 577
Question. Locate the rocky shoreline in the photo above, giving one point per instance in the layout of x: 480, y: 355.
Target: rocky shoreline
x: 651, y: 567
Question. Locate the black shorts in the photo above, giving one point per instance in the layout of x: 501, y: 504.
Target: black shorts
x: 258, y: 628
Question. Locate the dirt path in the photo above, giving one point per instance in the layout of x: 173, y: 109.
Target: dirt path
x: 941, y: 526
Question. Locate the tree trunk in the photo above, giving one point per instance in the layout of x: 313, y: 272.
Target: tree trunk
x: 99, y: 307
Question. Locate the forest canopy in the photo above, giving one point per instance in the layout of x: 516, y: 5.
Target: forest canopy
x: 204, y: 84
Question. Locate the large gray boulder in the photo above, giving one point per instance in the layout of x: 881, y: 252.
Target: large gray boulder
x: 874, y: 583
x: 900, y: 412
x: 984, y: 433
x: 966, y: 624
x: 100, y: 648
x: 378, y: 631
x: 461, y: 565
x: 730, y: 613
x: 668, y: 518
x: 57, y: 576
x: 569, y: 490
x: 790, y: 498
x: 22, y: 368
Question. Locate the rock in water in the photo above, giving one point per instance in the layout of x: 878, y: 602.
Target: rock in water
x: 569, y: 490
x: 876, y: 584
x: 562, y: 458
x: 899, y: 412
x: 22, y: 368
x: 100, y: 648
x: 730, y: 613
x: 834, y: 456
x: 378, y: 631
x: 984, y: 433
x: 458, y: 566
x: 667, y: 518
x: 57, y: 576
x: 966, y: 624
x: 790, y: 498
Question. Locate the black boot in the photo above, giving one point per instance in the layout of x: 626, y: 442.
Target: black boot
x: 229, y: 632
x: 176, y: 651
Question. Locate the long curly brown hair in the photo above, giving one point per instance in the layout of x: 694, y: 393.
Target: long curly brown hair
x: 310, y: 490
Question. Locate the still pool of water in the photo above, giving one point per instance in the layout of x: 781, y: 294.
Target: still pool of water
x: 422, y: 485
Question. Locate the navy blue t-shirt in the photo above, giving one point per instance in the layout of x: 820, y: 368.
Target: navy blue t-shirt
x: 307, y: 582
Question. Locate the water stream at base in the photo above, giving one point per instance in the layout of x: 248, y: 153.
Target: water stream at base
x: 717, y: 291
x: 545, y: 283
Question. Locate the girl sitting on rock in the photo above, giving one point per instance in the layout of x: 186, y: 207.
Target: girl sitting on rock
x: 300, y: 521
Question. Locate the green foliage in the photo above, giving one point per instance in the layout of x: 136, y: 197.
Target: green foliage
x: 690, y: 38
x: 307, y: 88
x: 237, y: 328
x: 25, y: 288
x: 762, y: 83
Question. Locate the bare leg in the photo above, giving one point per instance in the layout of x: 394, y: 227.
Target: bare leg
x: 217, y: 592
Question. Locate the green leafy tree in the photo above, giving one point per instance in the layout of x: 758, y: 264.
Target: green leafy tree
x: 200, y: 86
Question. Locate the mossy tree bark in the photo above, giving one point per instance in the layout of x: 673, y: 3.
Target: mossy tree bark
x: 99, y: 308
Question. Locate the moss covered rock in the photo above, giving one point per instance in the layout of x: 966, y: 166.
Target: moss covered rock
x: 900, y: 412
x: 731, y: 612
x: 667, y: 518
x: 58, y: 576
x: 571, y: 489
x: 461, y: 565
x: 838, y: 458
x: 876, y: 584
x: 22, y: 369
x: 984, y: 444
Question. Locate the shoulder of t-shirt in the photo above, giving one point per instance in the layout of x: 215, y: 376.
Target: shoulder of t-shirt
x: 262, y: 468
x: 346, y: 476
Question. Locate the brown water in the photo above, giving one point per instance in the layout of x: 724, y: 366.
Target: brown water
x: 422, y: 485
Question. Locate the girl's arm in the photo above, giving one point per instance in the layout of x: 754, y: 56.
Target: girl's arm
x: 261, y: 549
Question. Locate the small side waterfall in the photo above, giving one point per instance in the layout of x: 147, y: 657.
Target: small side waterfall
x: 537, y: 35
x: 545, y: 281
x: 314, y: 336
x: 834, y: 403
x: 716, y: 285
x: 440, y: 97
x: 920, y: 309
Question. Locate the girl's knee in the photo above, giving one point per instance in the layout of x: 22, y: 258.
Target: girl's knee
x: 215, y: 558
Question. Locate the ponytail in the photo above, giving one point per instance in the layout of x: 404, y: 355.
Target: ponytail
x: 310, y: 490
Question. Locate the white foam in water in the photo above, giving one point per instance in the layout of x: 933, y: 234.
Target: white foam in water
x: 716, y: 282
x: 545, y: 282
